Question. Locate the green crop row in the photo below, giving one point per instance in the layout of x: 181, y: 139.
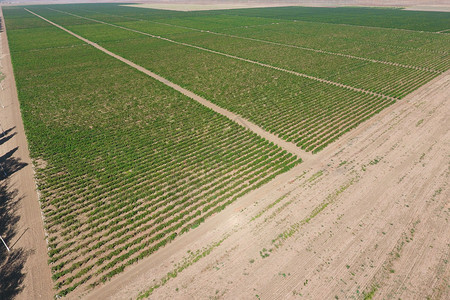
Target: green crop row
x: 421, y: 49
x: 359, y: 16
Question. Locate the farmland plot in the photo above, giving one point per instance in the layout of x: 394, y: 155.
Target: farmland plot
x: 358, y: 16
x: 388, y: 79
x: 309, y: 113
x: 421, y: 49
x: 124, y: 164
x: 415, y: 48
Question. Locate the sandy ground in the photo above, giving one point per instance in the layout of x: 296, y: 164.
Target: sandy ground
x: 442, y: 8
x: 369, y: 213
x: 437, y: 5
x: 25, y: 266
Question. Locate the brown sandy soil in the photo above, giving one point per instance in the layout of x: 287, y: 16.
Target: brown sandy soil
x: 443, y: 8
x: 24, y: 272
x: 437, y: 5
x: 369, y: 213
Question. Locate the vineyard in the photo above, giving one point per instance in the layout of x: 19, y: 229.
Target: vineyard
x: 129, y: 164
x: 125, y: 164
x: 359, y: 16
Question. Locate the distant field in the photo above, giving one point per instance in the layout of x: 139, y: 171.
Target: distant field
x: 387, y: 18
x: 125, y: 163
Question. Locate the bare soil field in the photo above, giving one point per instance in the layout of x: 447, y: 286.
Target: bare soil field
x: 429, y: 8
x: 204, y: 6
x: 24, y: 272
x: 214, y: 5
x: 367, y: 215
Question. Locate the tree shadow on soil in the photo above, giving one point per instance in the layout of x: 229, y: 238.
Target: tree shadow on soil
x: 11, y: 263
x: 11, y: 272
x: 6, y: 138
x: 6, y: 132
x: 9, y: 164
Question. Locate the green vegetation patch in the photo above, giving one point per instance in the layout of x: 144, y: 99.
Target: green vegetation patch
x: 130, y: 163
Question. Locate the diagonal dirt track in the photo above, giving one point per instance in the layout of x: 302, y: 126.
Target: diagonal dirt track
x: 290, y: 147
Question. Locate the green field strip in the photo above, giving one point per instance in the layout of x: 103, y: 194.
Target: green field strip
x: 404, y: 91
x: 363, y: 17
x: 358, y: 89
x: 415, y: 40
x: 386, y: 46
x: 130, y: 163
x: 314, y: 50
x: 245, y: 123
x: 331, y: 37
x: 422, y: 50
x: 395, y: 19
x: 322, y: 22
x: 318, y: 66
x: 207, y: 29
x: 417, y: 49
x: 218, y: 20
x: 371, y: 18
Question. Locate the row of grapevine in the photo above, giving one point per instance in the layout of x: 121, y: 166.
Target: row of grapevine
x: 393, y: 19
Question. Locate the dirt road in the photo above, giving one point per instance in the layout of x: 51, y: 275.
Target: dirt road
x: 25, y: 267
